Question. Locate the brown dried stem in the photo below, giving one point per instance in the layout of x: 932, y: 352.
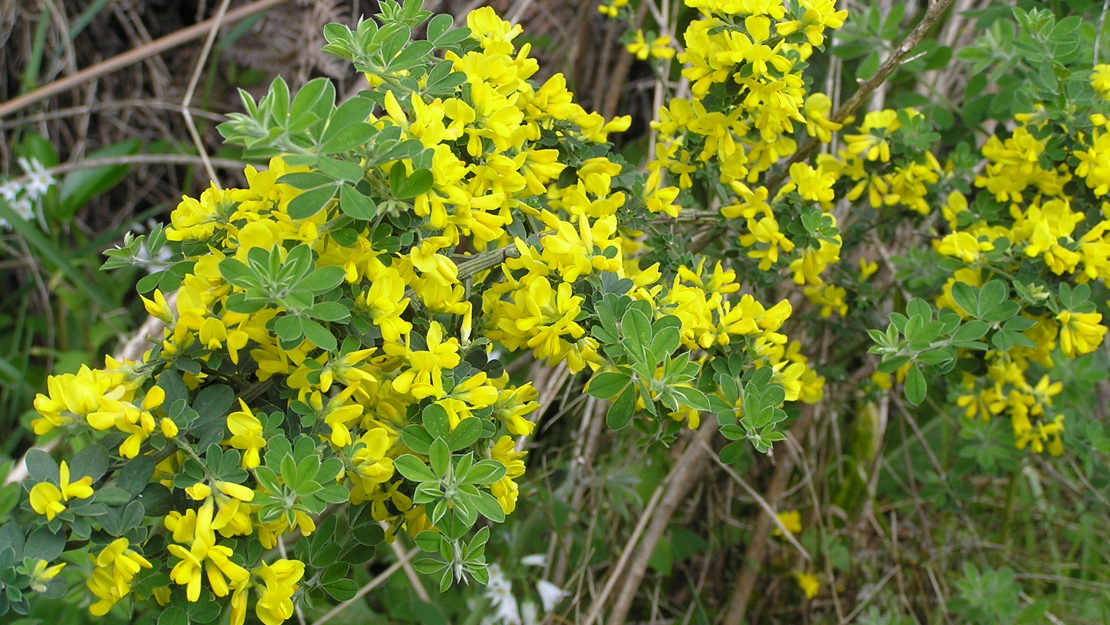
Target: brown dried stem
x: 131, y: 57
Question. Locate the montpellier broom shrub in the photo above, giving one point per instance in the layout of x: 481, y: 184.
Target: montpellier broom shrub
x: 332, y: 369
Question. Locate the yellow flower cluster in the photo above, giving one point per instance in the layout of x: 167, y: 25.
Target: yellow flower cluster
x: 748, y: 100
x: 1041, y: 224
x: 505, y: 249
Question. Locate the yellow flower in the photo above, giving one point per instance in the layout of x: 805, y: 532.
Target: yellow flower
x: 386, y: 302
x: 766, y: 240
x: 1080, y: 333
x: 246, y: 435
x: 116, y: 566
x: 424, y: 375
x: 871, y: 143
x: 867, y: 268
x: 195, y: 529
x: 1100, y: 79
x: 504, y: 451
x: 791, y: 520
x: 812, y: 184
x: 49, y: 500
x: 275, y: 603
x: 369, y: 463
x: 658, y: 48
x: 808, y: 582
x: 158, y: 308
x: 473, y: 393
x: 41, y: 574
x: 511, y: 407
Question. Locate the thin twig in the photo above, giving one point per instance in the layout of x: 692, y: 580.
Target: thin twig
x: 768, y: 509
x: 757, y: 545
x: 936, y: 9
x: 410, y: 573
x: 370, y: 585
x: 131, y: 57
x: 217, y: 22
x: 75, y: 111
x: 1098, y: 33
x: 683, y: 475
x: 135, y: 159
x: 618, y: 568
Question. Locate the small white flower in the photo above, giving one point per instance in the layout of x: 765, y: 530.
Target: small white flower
x: 550, y: 594
x: 23, y: 208
x: 38, y: 181
x: 536, y: 559
x: 529, y: 613
x: 9, y: 190
x: 499, y: 591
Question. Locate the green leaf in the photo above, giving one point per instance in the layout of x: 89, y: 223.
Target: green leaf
x: 288, y: 328
x: 110, y: 496
x: 41, y: 466
x: 412, y: 468
x: 323, y: 279
x: 487, y: 505
x: 608, y: 384
x: 319, y: 335
x: 485, y: 472
x: 173, y: 615
x: 915, y: 386
x: 437, y: 26
x: 637, y: 332
x: 43, y: 544
x: 135, y: 474
x: 235, y: 272
x: 341, y: 170
x: 692, y: 397
x: 918, y: 308
x: 314, y: 92
x: 417, y: 439
x: 428, y: 566
x: 428, y: 541
x: 329, y: 311
x: 665, y: 341
x: 348, y: 138
x: 416, y: 183
x: 991, y: 297
x: 440, y: 456
x: 213, y: 402
x: 970, y: 331
x: 356, y: 205
x: 79, y: 186
x: 341, y: 589
x: 311, y: 202
x: 465, y: 434
x: 278, y: 97
x: 620, y: 413
x: 352, y: 112
x: 305, y: 180
x: 966, y: 297
x: 436, y: 421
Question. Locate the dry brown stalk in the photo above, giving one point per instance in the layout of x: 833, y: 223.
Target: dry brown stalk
x: 685, y: 472
x: 757, y: 546
x: 131, y: 57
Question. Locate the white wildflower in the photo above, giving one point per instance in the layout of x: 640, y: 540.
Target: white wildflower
x: 38, y: 182
x: 529, y: 613
x: 550, y: 594
x: 9, y: 190
x: 536, y: 559
x: 499, y: 591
